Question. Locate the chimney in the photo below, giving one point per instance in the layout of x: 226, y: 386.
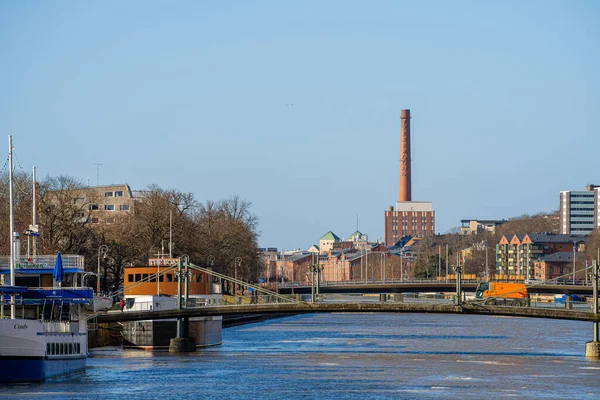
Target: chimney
x: 405, y: 185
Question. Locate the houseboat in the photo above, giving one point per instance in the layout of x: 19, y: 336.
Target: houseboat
x: 154, y: 287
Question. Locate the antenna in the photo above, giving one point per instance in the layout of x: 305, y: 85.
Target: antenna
x: 357, y: 221
x: 97, y: 173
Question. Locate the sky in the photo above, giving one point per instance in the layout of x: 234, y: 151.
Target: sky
x: 294, y: 105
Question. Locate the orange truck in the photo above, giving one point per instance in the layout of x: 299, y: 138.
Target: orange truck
x: 496, y: 293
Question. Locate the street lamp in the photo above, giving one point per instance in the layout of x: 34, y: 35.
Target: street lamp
x: 237, y: 263
x: 102, y: 250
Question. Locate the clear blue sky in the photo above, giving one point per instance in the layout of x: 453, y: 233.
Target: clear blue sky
x: 294, y: 105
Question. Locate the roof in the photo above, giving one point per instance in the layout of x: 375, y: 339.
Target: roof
x: 357, y: 234
x: 495, y: 221
x: 563, y: 256
x: 545, y: 237
x: 331, y: 236
x: 299, y: 257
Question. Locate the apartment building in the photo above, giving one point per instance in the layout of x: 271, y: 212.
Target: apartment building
x: 105, y: 203
x: 580, y: 211
x: 516, y: 253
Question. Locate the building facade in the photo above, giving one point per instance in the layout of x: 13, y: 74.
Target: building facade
x: 105, y: 203
x: 476, y: 226
x: 516, y: 253
x: 580, y: 211
x: 411, y: 218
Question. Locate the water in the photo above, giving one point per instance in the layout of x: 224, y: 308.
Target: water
x: 343, y: 356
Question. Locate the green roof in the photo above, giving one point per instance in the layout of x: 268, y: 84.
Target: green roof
x: 355, y: 234
x: 331, y: 236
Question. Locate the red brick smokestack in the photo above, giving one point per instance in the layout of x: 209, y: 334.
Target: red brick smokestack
x: 405, y: 185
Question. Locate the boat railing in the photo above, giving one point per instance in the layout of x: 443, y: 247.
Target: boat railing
x: 43, y: 261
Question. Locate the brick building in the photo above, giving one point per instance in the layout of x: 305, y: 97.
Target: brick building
x: 516, y: 253
x: 414, y: 218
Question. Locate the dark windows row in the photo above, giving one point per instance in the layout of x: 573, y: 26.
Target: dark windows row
x: 60, y: 349
x: 109, y: 207
x: 161, y: 278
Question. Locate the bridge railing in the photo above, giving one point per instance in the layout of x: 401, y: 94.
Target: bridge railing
x: 372, y: 282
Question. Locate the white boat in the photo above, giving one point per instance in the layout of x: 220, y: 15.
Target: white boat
x: 47, y: 338
x: 99, y: 303
x: 43, y: 331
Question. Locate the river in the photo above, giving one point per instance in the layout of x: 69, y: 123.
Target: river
x: 350, y: 356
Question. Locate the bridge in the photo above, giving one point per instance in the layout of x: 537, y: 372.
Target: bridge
x: 290, y: 305
x: 303, y: 308
x: 423, y: 286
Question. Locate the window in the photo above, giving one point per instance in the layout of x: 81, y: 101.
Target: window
x: 153, y: 278
x: 161, y: 278
x: 108, y: 194
x: 124, y: 207
x: 93, y: 207
x: 80, y: 214
x: 109, y: 207
x: 145, y: 277
x: 169, y: 277
x: 94, y: 220
x: 138, y: 277
x: 130, y: 278
x: 119, y: 193
x: 48, y: 347
x: 109, y: 220
x: 199, y: 278
x: 78, y: 348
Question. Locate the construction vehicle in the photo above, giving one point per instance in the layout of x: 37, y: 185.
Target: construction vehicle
x: 502, y: 293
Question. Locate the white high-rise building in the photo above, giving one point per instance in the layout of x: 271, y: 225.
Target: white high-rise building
x: 580, y: 210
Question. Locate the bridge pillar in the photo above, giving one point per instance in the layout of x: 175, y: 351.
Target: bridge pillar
x: 382, y: 297
x: 592, y: 349
x: 180, y: 345
x: 568, y: 302
x: 398, y: 297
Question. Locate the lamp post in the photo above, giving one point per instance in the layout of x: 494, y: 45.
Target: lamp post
x: 102, y: 250
x: 446, y: 262
x: 237, y: 263
x: 574, y: 249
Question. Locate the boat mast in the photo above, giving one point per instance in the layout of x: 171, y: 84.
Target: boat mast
x: 34, y: 218
x: 13, y: 308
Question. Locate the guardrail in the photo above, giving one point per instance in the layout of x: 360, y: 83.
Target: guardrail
x: 373, y: 282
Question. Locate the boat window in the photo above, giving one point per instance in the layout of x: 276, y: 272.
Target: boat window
x: 153, y: 278
x: 199, y: 278
x: 78, y: 348
x: 48, y: 347
x: 138, y: 277
x: 70, y: 348
x: 161, y: 278
x: 130, y: 278
x: 145, y: 277
x: 169, y: 277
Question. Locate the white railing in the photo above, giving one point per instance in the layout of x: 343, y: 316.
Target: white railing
x: 43, y: 262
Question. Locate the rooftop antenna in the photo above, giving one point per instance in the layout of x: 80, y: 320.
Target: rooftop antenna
x: 357, y: 221
x: 97, y: 173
